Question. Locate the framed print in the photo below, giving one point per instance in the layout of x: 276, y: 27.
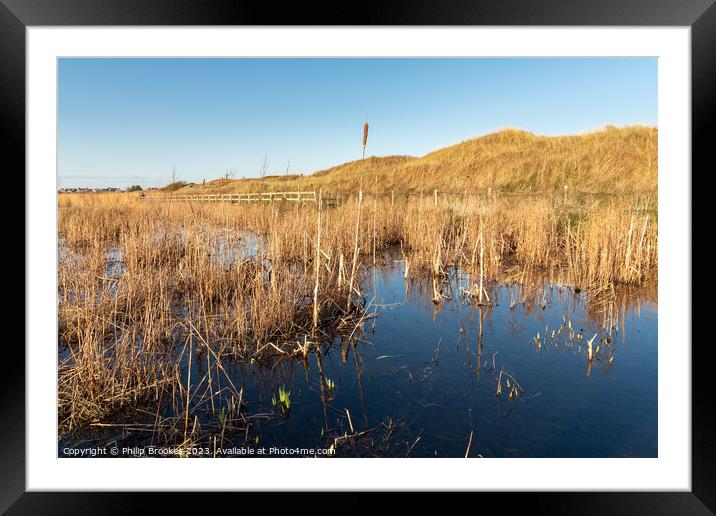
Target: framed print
x: 419, y: 248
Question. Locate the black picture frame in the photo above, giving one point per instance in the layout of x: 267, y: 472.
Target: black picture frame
x: 700, y: 15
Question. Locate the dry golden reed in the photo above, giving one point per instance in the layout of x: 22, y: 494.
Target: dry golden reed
x: 143, y: 286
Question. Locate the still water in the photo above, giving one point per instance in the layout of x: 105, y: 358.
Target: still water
x: 422, y: 379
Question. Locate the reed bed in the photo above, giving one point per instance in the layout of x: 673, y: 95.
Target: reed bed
x: 148, y: 292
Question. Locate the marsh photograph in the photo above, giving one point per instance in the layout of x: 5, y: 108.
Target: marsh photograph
x: 357, y: 257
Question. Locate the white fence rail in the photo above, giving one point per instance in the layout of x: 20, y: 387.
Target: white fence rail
x: 310, y: 196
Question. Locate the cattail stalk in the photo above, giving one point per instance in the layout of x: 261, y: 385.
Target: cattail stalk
x: 318, y: 263
x: 365, y: 137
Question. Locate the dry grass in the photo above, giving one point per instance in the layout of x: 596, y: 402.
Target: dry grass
x: 609, y: 160
x: 147, y: 289
x: 135, y: 280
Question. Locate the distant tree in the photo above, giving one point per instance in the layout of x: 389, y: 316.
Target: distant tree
x: 134, y: 188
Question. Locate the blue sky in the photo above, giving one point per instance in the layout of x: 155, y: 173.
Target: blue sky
x: 130, y: 121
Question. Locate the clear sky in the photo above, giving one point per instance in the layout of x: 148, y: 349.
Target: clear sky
x: 131, y: 121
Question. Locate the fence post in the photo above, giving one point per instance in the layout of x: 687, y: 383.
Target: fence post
x: 565, y: 193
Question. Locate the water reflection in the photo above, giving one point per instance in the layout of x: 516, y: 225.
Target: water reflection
x: 427, y: 376
x: 506, y: 378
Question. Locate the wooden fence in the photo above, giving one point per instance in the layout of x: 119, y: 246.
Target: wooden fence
x: 331, y: 199
x: 300, y: 197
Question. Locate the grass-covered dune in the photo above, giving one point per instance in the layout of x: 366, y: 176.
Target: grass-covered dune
x: 614, y: 159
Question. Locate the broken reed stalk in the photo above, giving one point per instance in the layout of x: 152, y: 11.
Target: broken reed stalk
x: 188, y: 387
x: 407, y: 264
x: 641, y: 242
x: 469, y: 442
x: 341, y: 271
x: 437, y: 271
x: 211, y: 388
x: 318, y: 263
x: 350, y: 421
x: 482, y: 253
x: 322, y: 387
x: 355, y: 252
x: 590, y: 354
